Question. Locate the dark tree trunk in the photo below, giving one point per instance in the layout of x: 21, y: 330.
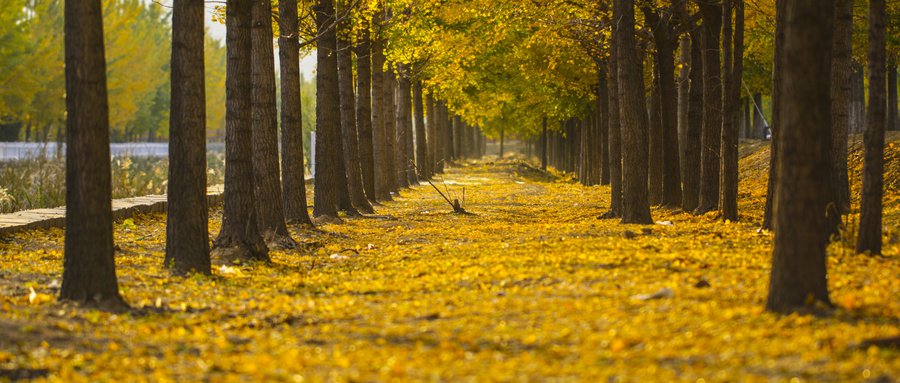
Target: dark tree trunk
x: 269, y: 202
x: 684, y: 92
x: 187, y: 219
x: 293, y: 177
x: 655, y: 154
x: 893, y: 114
x: 457, y: 144
x: 330, y: 178
x: 635, y: 126
x: 401, y: 154
x: 777, y: 83
x: 841, y: 62
x: 349, y: 134
x: 446, y: 136
x: 364, y: 113
x: 602, y: 108
x: 433, y: 140
x: 690, y: 197
x: 869, y: 239
x: 89, y: 270
x: 710, y: 142
x: 239, y: 238
x: 615, y: 133
x: 801, y: 228
x: 760, y: 126
x: 857, y: 98
x: 746, y: 118
x: 544, y: 144
x: 380, y: 154
x: 501, y: 143
x: 734, y: 69
x: 422, y: 162
x: 390, y: 129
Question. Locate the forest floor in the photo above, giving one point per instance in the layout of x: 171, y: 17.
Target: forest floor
x: 531, y: 287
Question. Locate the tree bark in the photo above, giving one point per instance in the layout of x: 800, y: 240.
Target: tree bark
x: 239, y: 238
x: 655, y: 154
x: 734, y: 69
x: 870, y: 217
x: 422, y: 163
x: 635, y: 126
x: 804, y: 151
x: 690, y: 197
x: 293, y: 177
x: 893, y: 114
x: 380, y: 154
x: 89, y: 270
x: 602, y: 108
x: 433, y: 140
x: 615, y: 133
x: 187, y: 218
x: 712, y: 108
x: 777, y: 75
x: 857, y: 98
x: 349, y: 134
x: 269, y: 202
x: 390, y: 125
x: 841, y: 62
x: 760, y: 126
x: 364, y: 112
x: 329, y: 174
x: 403, y: 106
x: 544, y: 144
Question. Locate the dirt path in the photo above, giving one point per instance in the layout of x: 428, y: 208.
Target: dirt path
x: 529, y: 288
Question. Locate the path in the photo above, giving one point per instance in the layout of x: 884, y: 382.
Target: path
x: 531, y: 288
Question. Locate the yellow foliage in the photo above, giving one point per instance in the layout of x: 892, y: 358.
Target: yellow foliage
x: 533, y: 287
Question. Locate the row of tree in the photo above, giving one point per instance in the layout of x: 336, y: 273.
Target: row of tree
x: 137, y: 39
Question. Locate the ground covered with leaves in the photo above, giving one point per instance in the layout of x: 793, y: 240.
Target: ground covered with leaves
x: 531, y: 287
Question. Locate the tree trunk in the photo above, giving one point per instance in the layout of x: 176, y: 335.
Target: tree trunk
x: 401, y: 155
x: 635, y: 126
x: 89, y: 271
x: 602, y: 108
x: 390, y: 129
x: 380, y: 153
x: 422, y: 162
x: 364, y: 112
x: 187, y: 219
x: 893, y: 114
x: 857, y: 99
x: 734, y: 69
x: 655, y: 154
x: 760, y: 126
x: 684, y: 91
x: 777, y: 83
x: 801, y: 228
x: 869, y: 239
x: 293, y: 177
x: 712, y: 108
x: 269, y: 202
x: 501, y: 143
x: 349, y: 134
x: 433, y: 140
x: 841, y: 62
x: 690, y: 174
x: 544, y: 144
x: 329, y: 174
x: 239, y: 238
x: 615, y: 133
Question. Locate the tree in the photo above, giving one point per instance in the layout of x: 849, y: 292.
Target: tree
x: 777, y: 74
x: 710, y: 143
x: 869, y: 239
x: 328, y: 116
x: 422, y: 162
x: 269, y: 202
x: 239, y: 238
x: 841, y: 64
x: 187, y: 221
x: 615, y: 132
x: 635, y: 202
x: 801, y: 228
x: 349, y: 135
x: 293, y: 179
x: 380, y: 143
x: 691, y: 150
x: 364, y: 112
x: 89, y: 271
x: 734, y: 69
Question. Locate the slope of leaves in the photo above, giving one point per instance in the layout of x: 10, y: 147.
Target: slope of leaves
x: 532, y: 287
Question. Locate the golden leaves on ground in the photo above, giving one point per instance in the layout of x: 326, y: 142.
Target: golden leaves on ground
x: 532, y: 287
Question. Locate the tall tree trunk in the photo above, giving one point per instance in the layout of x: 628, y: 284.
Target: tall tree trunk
x: 89, y: 271
x: 869, y: 239
x: 602, y: 108
x: 433, y: 140
x: 380, y: 155
x: 684, y: 91
x: 269, y: 202
x: 857, y: 98
x: 710, y: 142
x: 690, y: 197
x: 760, y: 126
x: 655, y: 154
x: 390, y: 128
x: 893, y: 114
x: 544, y: 143
x: 239, y: 237
x: 615, y: 132
x: 635, y: 126
x: 401, y: 155
x: 422, y: 162
x: 349, y: 134
x: 804, y: 151
x: 329, y: 174
x: 187, y: 221
x: 501, y: 143
x: 777, y: 87
x: 457, y: 144
x: 293, y: 177
x: 364, y: 112
x: 841, y: 62
x: 734, y: 69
